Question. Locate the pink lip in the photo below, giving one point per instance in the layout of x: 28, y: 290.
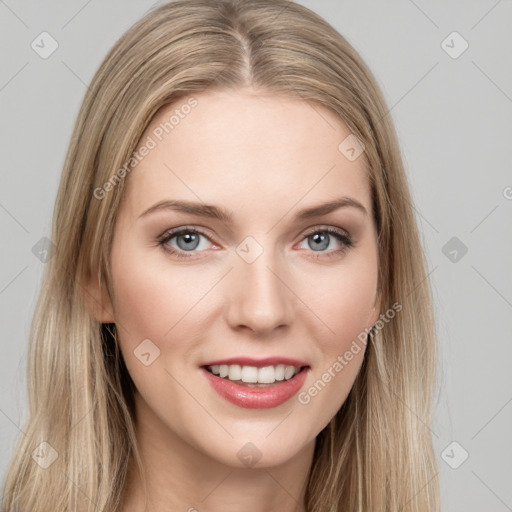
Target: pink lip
x: 249, y: 361
x: 254, y: 397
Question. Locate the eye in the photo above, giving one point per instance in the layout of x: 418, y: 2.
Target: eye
x: 187, y: 240
x: 320, y: 239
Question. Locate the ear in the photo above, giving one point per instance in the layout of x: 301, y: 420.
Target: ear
x: 98, y: 300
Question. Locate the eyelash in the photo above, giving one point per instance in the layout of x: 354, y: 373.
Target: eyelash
x: 341, y: 236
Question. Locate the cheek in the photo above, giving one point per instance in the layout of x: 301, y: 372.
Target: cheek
x: 140, y: 297
x: 344, y: 300
x: 343, y: 306
x: 154, y: 302
x: 149, y: 298
x: 347, y: 319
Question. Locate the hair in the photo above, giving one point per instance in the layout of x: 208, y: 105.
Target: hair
x: 376, y: 453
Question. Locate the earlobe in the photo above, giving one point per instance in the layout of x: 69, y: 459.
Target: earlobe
x: 98, y: 300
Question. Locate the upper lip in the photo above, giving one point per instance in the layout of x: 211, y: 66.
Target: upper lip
x: 250, y: 361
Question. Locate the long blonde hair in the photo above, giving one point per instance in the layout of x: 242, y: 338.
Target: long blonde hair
x: 376, y: 454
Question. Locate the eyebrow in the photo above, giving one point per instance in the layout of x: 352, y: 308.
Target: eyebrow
x: 215, y: 212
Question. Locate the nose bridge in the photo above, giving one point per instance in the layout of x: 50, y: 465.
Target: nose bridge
x: 260, y: 299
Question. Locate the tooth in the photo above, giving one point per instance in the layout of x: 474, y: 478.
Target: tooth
x: 253, y: 374
x: 279, y: 372
x: 249, y: 374
x: 266, y: 375
x: 289, y: 371
x: 235, y: 372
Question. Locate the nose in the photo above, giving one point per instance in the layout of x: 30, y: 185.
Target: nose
x: 259, y: 297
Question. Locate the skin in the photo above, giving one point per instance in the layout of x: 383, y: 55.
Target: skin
x: 263, y: 158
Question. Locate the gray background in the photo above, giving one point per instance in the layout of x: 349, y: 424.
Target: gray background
x: 453, y: 120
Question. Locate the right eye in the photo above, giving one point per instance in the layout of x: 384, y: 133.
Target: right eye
x: 186, y: 240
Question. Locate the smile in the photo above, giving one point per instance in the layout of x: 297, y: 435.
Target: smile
x: 256, y: 383
x: 253, y: 374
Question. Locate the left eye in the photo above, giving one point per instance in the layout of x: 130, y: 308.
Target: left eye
x: 321, y: 239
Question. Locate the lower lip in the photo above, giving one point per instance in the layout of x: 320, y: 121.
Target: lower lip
x: 254, y: 397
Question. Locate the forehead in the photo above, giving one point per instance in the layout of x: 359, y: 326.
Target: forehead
x: 245, y: 150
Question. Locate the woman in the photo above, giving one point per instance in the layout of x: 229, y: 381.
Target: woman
x: 237, y: 314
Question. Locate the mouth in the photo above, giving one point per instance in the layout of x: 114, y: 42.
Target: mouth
x: 256, y: 376
x: 256, y: 387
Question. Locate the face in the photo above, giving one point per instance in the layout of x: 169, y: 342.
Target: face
x: 268, y: 283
